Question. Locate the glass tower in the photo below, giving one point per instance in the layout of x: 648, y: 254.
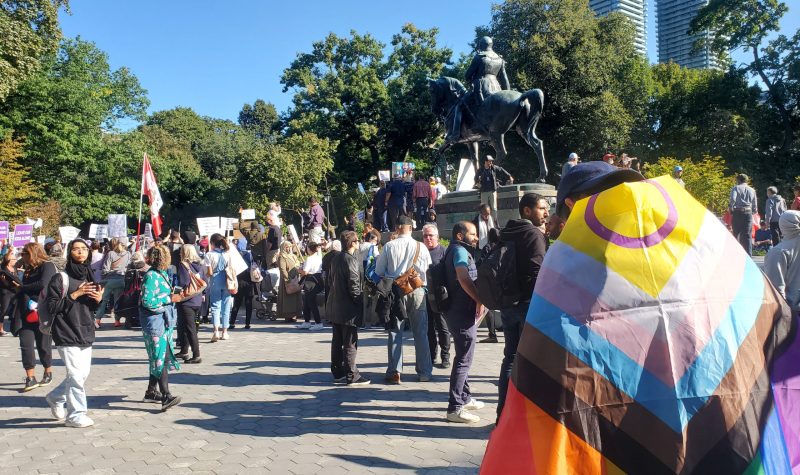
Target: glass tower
x: 636, y: 10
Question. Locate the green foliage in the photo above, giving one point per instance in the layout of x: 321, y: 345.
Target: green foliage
x: 706, y: 179
x: 29, y: 30
x: 261, y: 119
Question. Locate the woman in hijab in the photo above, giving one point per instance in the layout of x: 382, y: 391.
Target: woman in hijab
x: 158, y: 318
x: 71, y: 314
x: 288, y: 303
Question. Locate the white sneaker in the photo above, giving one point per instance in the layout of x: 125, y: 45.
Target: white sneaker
x: 462, y: 416
x: 225, y: 335
x: 215, y: 337
x: 316, y: 327
x: 474, y: 404
x: 304, y: 326
x: 81, y: 423
x: 58, y: 411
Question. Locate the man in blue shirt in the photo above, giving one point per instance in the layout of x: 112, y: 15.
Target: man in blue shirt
x: 394, y: 201
x: 460, y: 276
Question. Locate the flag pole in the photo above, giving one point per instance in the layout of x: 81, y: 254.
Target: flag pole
x: 141, y: 199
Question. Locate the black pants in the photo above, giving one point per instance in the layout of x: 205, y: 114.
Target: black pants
x: 421, y: 210
x: 378, y: 221
x: 187, y: 330
x: 491, y: 325
x: 438, y: 335
x: 313, y: 286
x: 344, y: 347
x: 776, y: 233
x: 742, y: 227
x: 29, y: 338
x: 245, y: 294
x: 162, y: 382
x: 392, y: 214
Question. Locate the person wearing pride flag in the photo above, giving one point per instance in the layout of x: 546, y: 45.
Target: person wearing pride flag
x: 652, y: 344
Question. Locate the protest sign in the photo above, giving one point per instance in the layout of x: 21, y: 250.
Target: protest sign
x: 383, y: 175
x: 23, y: 233
x: 293, y: 234
x: 68, y: 233
x: 237, y: 262
x: 117, y: 225
x: 361, y: 189
x: 208, y: 226
x: 3, y: 229
x: 226, y: 224
x: 360, y: 216
x: 98, y: 231
x: 248, y: 214
x: 401, y: 168
x: 148, y: 231
x: 40, y: 239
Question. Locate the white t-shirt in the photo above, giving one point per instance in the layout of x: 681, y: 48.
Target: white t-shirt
x: 441, y: 190
x: 211, y: 260
x: 313, y: 263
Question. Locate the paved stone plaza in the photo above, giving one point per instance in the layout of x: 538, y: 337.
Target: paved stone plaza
x: 262, y: 401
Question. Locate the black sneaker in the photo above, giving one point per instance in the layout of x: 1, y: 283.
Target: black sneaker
x: 194, y: 360
x: 445, y: 364
x: 46, y: 379
x: 232, y: 327
x: 154, y: 396
x: 30, y: 383
x: 247, y: 327
x: 340, y: 380
x: 361, y: 381
x: 182, y: 355
x: 169, y: 401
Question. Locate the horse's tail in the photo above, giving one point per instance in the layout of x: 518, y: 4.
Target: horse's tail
x: 536, y: 99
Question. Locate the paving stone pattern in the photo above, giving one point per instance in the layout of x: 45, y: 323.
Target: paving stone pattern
x: 261, y: 402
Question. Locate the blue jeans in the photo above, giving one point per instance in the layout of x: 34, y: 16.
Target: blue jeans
x: 417, y: 315
x: 220, y: 302
x: 513, y: 323
x: 113, y: 289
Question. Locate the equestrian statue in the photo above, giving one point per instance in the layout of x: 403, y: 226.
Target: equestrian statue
x: 490, y: 110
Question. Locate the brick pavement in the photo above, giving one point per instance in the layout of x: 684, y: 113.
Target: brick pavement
x: 262, y: 401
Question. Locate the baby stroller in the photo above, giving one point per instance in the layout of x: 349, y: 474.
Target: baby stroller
x: 268, y: 295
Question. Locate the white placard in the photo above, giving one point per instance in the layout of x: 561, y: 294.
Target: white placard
x: 226, y: 224
x: 383, y: 175
x: 117, y: 225
x: 293, y: 234
x: 236, y: 260
x: 466, y: 175
x: 68, y: 233
x: 148, y: 230
x: 248, y: 214
x: 208, y: 226
x: 40, y: 239
x: 98, y: 231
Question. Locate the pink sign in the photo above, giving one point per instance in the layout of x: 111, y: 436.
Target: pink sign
x: 22, y: 234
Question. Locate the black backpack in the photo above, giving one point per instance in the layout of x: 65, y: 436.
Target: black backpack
x: 497, y: 277
x: 438, y: 299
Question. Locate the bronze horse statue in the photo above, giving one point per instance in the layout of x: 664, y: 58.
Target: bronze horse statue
x: 490, y: 120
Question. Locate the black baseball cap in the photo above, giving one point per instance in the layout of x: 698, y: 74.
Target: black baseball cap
x: 592, y: 177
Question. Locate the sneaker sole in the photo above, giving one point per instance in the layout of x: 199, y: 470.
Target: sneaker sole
x: 359, y: 384
x: 174, y: 403
x: 29, y: 388
x: 78, y: 426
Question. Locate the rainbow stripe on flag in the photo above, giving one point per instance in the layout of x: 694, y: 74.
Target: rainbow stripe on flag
x: 653, y: 344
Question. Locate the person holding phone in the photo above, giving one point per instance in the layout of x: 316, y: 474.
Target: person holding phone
x: 72, y: 312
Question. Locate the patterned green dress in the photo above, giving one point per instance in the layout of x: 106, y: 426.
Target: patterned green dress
x: 157, y: 314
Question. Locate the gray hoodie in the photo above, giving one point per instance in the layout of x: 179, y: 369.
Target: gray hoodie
x: 782, y: 264
x: 774, y: 208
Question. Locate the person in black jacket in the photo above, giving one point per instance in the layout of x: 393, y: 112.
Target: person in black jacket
x: 188, y: 310
x: 530, y: 246
x: 72, y: 315
x: 344, y: 310
x: 25, y: 318
x: 9, y: 284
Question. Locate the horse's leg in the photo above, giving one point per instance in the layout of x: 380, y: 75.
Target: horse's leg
x: 499, y: 144
x: 538, y: 147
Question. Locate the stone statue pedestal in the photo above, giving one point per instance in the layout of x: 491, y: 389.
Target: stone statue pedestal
x: 463, y: 205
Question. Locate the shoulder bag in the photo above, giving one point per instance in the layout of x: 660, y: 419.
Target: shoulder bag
x: 196, y: 284
x: 410, y: 280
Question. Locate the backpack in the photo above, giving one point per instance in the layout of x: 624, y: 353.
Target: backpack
x: 497, y: 277
x: 127, y: 305
x: 45, y: 319
x: 370, y: 264
x: 438, y: 298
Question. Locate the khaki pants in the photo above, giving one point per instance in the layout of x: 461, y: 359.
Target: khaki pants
x: 490, y: 198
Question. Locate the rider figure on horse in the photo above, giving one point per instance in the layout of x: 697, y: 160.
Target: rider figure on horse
x: 487, y: 73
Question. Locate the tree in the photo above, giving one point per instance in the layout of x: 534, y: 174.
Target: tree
x: 705, y: 179
x: 746, y: 24
x: 61, y: 113
x: 260, y: 119
x: 595, y: 84
x: 18, y: 191
x: 29, y: 30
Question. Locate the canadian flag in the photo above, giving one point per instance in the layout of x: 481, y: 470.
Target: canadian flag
x: 150, y: 188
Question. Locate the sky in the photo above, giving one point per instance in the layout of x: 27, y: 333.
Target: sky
x: 215, y: 56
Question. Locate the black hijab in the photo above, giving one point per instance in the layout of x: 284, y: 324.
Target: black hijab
x: 80, y: 272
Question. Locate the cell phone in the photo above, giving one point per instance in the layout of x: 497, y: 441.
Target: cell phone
x: 177, y: 289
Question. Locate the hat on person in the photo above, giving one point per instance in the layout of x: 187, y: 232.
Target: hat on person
x: 489, y: 158
x: 573, y: 156
x: 608, y: 156
x: 677, y: 168
x: 588, y: 176
x: 404, y: 221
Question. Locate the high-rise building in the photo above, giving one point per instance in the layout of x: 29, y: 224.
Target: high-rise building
x: 674, y: 41
x: 636, y: 10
